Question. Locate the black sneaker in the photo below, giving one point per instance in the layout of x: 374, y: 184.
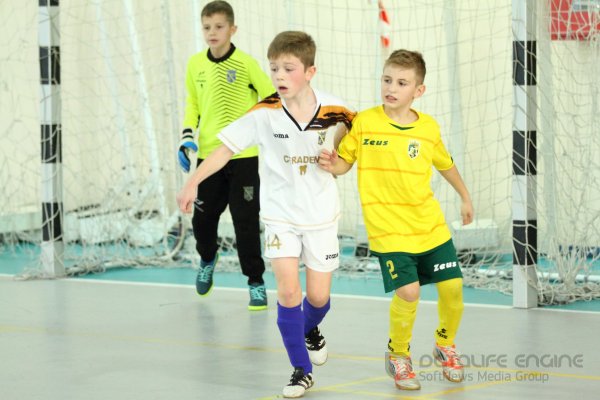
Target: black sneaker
x: 204, y: 279
x: 258, y: 297
x: 299, y: 384
x: 315, y: 344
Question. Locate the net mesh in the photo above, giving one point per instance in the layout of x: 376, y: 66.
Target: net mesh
x: 123, y: 65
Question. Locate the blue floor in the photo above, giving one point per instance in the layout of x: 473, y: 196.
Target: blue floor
x: 17, y: 260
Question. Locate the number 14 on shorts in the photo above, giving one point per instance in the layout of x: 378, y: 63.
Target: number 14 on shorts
x: 273, y: 242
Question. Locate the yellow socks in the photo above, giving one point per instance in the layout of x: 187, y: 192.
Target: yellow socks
x: 450, y: 309
x: 403, y: 314
x: 402, y: 319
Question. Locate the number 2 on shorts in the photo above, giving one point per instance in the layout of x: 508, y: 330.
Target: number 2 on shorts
x: 391, y: 269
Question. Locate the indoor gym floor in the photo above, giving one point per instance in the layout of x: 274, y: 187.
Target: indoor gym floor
x: 100, y: 339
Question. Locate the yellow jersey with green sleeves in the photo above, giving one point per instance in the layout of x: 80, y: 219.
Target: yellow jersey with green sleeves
x: 219, y: 91
x: 394, y: 180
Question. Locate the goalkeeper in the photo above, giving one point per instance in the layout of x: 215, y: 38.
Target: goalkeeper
x: 223, y: 83
x: 395, y: 148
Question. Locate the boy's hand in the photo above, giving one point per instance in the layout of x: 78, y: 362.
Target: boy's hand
x: 327, y: 159
x: 186, y: 198
x: 187, y: 143
x: 466, y: 212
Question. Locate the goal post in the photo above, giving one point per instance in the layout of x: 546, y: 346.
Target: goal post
x: 52, y: 244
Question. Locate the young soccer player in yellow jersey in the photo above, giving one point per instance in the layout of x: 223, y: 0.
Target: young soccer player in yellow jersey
x: 222, y: 83
x: 395, y: 148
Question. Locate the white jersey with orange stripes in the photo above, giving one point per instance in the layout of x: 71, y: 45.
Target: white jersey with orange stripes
x: 294, y: 191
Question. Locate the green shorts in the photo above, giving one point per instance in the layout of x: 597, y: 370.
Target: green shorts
x: 435, y: 265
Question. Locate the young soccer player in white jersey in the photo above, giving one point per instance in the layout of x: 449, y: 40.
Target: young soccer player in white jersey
x: 395, y: 148
x: 299, y: 201
x: 222, y: 83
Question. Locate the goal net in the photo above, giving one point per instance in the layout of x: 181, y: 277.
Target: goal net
x: 122, y: 88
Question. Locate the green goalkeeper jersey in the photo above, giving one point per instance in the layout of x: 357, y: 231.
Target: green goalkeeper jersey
x: 219, y: 91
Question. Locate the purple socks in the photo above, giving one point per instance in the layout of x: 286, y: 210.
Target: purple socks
x: 291, y: 325
x: 313, y: 315
x: 294, y: 323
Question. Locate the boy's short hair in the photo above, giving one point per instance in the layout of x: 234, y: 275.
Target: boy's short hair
x: 296, y: 43
x: 409, y: 60
x: 219, y: 7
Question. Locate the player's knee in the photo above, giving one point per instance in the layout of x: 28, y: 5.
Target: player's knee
x: 247, y: 227
x: 202, y: 221
x: 451, y: 287
x: 410, y: 292
x: 289, y: 296
x: 317, y: 300
x: 450, y: 291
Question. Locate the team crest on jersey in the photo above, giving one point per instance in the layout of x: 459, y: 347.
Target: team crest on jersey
x: 322, y: 135
x: 231, y: 75
x: 303, y: 169
x: 413, y: 149
x: 248, y: 193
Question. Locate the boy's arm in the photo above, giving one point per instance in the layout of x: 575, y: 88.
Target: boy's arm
x: 191, y: 113
x: 455, y: 180
x: 331, y: 162
x: 213, y: 163
x: 340, y: 132
x: 190, y: 122
x: 260, y: 80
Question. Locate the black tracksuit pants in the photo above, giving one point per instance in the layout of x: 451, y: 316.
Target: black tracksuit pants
x: 236, y: 184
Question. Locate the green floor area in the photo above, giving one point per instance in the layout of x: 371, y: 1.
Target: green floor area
x: 18, y: 260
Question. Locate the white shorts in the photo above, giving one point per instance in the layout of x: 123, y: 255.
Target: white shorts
x: 319, y: 250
